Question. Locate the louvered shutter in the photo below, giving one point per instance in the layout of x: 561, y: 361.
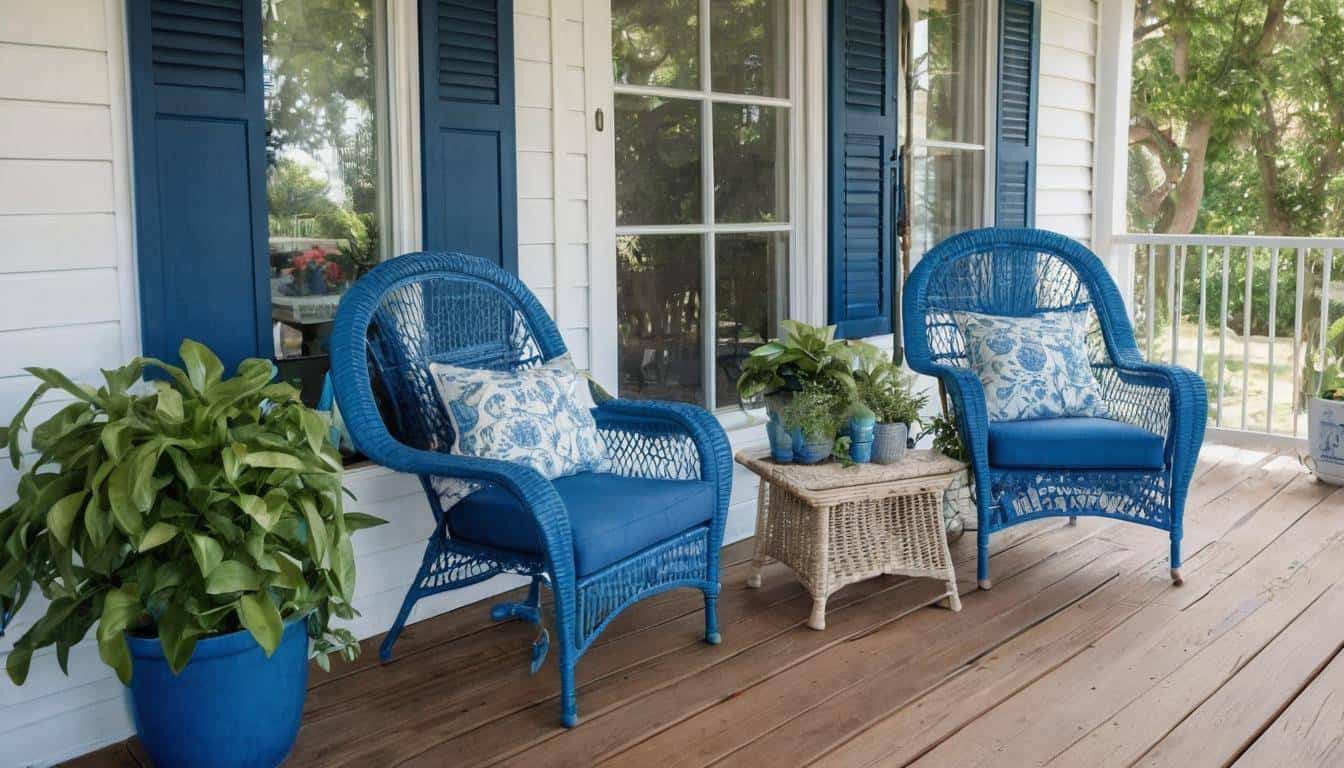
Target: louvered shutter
x: 863, y: 174
x: 200, y: 176
x: 466, y: 87
x: 1019, y: 72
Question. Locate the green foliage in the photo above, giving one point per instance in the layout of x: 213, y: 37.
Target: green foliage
x: 805, y: 355
x: 192, y: 506
x: 816, y: 411
x: 946, y: 438
x: 292, y: 190
x: 881, y: 386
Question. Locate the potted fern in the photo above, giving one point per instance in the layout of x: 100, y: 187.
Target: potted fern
x: 813, y: 418
x: 197, y: 522
x: 884, y: 389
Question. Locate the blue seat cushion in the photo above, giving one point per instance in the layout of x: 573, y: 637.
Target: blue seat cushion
x: 1073, y: 443
x: 610, y: 517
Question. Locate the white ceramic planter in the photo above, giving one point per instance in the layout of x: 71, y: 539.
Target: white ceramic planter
x: 1325, y: 433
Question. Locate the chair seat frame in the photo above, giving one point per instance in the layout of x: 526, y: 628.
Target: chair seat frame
x: 1020, y: 272
x: 373, y: 341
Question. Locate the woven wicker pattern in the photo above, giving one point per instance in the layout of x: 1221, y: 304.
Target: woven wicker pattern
x: 452, y: 308
x: 1021, y: 272
x: 836, y: 526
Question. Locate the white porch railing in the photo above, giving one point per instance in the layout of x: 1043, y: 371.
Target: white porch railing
x: 1246, y: 312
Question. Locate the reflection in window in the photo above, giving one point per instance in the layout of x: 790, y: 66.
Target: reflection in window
x: 658, y: 316
x: 946, y: 67
x: 703, y: 190
x: 326, y: 197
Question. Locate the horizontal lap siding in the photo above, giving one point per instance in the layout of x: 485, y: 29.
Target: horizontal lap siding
x: 64, y: 275
x: 1067, y: 108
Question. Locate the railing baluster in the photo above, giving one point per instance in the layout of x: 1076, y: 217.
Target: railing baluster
x: 1150, y: 301
x: 1222, y: 337
x: 1175, y: 277
x: 1325, y: 312
x: 1297, y: 337
x: 1273, y: 309
x: 1203, y: 295
x: 1246, y: 332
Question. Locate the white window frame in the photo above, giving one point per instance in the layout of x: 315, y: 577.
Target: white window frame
x: 709, y: 228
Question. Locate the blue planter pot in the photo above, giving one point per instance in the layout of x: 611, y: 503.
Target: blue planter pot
x: 810, y: 451
x: 781, y: 443
x: 231, y: 707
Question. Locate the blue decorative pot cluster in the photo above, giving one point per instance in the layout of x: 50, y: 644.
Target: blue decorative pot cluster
x: 231, y: 706
x: 861, y: 438
x: 781, y: 442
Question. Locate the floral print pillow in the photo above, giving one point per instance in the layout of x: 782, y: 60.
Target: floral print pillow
x: 1032, y: 367
x: 538, y: 417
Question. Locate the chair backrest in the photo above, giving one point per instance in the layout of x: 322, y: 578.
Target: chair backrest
x: 424, y: 308
x: 1013, y: 272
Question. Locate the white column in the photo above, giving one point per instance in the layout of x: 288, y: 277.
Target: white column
x: 1110, y: 167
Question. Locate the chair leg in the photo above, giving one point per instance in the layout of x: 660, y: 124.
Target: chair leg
x: 1176, y: 578
x: 1073, y: 520
x: 982, y: 558
x: 432, y: 552
x: 569, y: 698
x: 712, y: 635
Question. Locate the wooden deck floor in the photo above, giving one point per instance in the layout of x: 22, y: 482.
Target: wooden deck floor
x: 1082, y: 655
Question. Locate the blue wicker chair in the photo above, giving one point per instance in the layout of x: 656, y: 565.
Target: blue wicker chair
x: 1135, y: 466
x: 600, y: 542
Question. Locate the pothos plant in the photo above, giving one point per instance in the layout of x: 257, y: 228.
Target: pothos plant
x: 190, y: 506
x: 804, y: 354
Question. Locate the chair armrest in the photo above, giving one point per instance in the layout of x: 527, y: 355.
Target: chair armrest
x: 648, y: 438
x: 1186, y: 404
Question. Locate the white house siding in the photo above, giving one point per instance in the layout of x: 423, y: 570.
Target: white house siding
x: 1066, y: 106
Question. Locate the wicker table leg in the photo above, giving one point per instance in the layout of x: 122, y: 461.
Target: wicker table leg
x: 953, y: 595
x: 818, y: 618
x: 761, y: 553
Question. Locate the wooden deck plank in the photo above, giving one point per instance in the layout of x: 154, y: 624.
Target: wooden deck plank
x: 1310, y: 732
x: 928, y: 639
x: 1229, y: 721
x: 1044, y: 719
x: 900, y: 728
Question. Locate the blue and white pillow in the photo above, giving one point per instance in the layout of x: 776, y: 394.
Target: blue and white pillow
x: 539, y: 417
x: 1032, y: 367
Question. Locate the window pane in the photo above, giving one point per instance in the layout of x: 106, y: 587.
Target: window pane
x: 750, y: 296
x: 751, y: 163
x: 658, y: 316
x: 656, y: 42
x: 657, y: 161
x: 749, y: 44
x: 948, y: 63
x: 324, y: 131
x: 948, y: 194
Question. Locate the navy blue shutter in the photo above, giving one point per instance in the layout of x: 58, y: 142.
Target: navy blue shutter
x: 1019, y: 71
x: 863, y: 176
x: 200, y: 176
x: 466, y: 99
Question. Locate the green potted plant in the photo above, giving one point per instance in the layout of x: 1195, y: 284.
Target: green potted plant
x: 886, y: 390
x: 803, y: 355
x: 813, y: 418
x: 197, y: 522
x: 1325, y: 409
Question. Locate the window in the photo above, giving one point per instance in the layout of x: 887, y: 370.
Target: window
x: 947, y: 81
x: 326, y: 164
x: 704, y: 116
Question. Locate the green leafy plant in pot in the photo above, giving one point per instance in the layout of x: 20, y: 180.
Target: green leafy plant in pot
x: 776, y: 371
x: 886, y: 390
x: 813, y: 417
x: 198, y: 523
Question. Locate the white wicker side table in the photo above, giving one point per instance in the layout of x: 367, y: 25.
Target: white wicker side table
x: 834, y: 526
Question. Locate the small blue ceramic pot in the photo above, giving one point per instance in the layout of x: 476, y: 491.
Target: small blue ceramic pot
x: 861, y: 429
x: 810, y: 451
x: 781, y: 442
x: 861, y: 453
x: 230, y: 707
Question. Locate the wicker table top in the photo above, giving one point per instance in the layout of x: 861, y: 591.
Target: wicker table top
x: 814, y: 480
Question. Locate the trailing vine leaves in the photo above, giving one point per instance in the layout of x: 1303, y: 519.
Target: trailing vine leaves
x: 186, y: 506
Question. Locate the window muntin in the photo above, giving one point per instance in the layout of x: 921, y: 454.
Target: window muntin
x: 705, y: 131
x: 327, y: 164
